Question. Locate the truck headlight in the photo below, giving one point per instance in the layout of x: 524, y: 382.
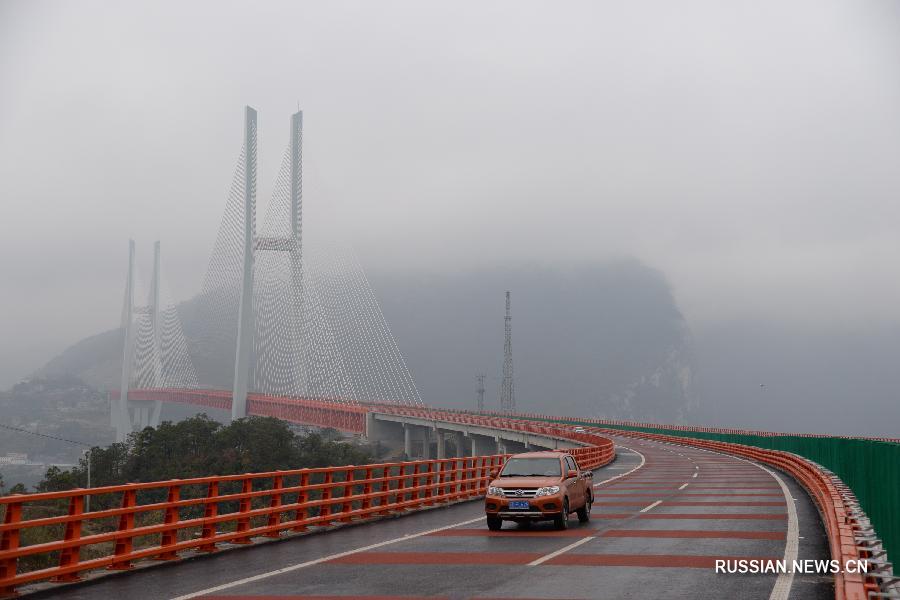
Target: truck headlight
x: 495, y: 491
x: 547, y: 491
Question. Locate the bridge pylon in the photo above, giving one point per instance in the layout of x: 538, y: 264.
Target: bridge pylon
x: 252, y: 244
x: 128, y: 415
x: 245, y: 323
x: 123, y: 423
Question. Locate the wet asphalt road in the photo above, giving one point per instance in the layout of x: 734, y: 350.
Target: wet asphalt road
x: 655, y: 533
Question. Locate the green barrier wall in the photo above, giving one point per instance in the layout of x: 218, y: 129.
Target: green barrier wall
x: 870, y: 468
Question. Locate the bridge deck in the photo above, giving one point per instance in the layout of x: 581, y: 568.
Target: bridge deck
x: 650, y: 536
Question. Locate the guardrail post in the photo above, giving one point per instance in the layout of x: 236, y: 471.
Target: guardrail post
x: 465, y: 485
x: 10, y: 541
x: 453, y: 489
x: 245, y: 506
x: 70, y: 556
x: 415, y: 484
x: 124, y: 545
x: 385, y: 487
x: 472, y: 476
x: 169, y: 537
x: 347, y: 505
x: 429, y: 482
x: 403, y: 485
x: 480, y: 473
x: 275, y: 499
x: 442, y: 479
x: 302, y: 498
x: 325, y: 509
x: 367, y: 490
x: 210, y: 511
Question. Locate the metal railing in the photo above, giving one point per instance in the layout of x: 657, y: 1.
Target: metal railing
x: 840, y: 516
x: 159, y: 520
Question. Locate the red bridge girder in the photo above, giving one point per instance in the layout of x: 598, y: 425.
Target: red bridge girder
x: 342, y: 416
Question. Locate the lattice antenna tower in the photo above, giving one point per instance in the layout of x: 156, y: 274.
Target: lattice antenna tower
x: 479, y: 392
x: 507, y: 388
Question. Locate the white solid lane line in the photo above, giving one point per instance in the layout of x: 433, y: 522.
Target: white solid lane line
x: 547, y: 557
x: 643, y: 460
x: 646, y: 508
x: 782, y: 588
x: 310, y: 563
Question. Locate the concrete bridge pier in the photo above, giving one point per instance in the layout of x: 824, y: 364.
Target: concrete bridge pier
x: 468, y: 440
x: 417, y: 441
x: 389, y: 432
x: 135, y: 415
x: 483, y: 445
x: 407, y: 440
x: 426, y: 443
x: 463, y: 447
x: 513, y: 447
x: 441, y: 443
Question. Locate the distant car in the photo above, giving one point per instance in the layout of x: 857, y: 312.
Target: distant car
x: 580, y: 430
x: 539, y: 486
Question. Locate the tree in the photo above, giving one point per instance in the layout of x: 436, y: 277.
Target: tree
x: 199, y: 447
x: 257, y: 444
x: 55, y: 480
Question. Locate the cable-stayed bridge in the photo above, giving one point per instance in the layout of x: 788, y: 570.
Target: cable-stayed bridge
x: 300, y: 334
x: 301, y: 320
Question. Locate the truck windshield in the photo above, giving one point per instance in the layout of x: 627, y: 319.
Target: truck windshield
x: 531, y: 467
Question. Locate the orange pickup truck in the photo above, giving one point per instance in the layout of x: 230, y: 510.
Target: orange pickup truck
x: 539, y: 486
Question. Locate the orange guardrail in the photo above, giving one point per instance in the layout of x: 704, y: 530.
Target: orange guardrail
x: 596, y: 452
x: 686, y: 428
x: 833, y: 507
x: 157, y: 520
x: 322, y: 412
x: 268, y: 504
x: 202, y: 512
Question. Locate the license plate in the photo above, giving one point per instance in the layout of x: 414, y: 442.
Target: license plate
x: 519, y: 505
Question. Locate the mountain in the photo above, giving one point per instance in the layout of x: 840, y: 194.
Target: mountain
x: 602, y: 339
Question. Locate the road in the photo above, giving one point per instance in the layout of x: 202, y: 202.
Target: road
x: 662, y: 515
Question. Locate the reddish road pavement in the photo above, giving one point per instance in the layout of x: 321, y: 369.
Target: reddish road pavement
x: 663, y: 515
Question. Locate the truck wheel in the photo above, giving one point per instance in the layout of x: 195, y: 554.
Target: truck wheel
x: 494, y: 523
x: 561, y: 521
x: 584, y: 513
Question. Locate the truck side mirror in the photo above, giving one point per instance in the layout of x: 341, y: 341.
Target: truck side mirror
x: 494, y: 474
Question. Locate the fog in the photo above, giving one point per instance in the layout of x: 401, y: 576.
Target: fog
x: 748, y: 150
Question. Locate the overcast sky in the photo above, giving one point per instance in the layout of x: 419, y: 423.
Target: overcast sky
x: 750, y: 150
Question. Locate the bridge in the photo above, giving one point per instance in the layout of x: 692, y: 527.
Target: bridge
x: 665, y: 510
x: 306, y: 343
